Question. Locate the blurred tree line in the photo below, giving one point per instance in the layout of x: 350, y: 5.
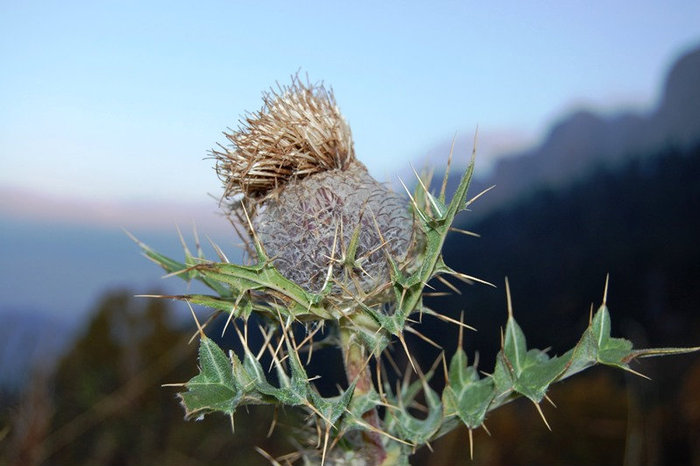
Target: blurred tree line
x: 104, y: 403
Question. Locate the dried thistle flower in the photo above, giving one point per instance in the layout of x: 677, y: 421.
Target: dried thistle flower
x: 298, y: 132
x: 313, y: 205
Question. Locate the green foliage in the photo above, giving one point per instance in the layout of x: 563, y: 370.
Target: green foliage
x: 215, y: 388
x: 225, y: 382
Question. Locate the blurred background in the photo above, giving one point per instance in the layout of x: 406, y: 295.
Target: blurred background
x: 588, y: 124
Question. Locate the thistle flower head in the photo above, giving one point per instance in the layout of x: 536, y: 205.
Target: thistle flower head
x: 314, y: 207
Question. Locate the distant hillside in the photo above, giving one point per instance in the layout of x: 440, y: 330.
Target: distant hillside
x: 31, y: 341
x: 584, y: 141
x: 53, y: 274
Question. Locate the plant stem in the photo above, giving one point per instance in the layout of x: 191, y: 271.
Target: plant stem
x: 357, y: 368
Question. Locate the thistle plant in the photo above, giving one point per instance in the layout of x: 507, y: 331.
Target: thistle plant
x: 337, y: 260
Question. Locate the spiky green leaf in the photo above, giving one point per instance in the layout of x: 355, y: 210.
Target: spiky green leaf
x: 410, y: 428
x: 466, y: 393
x: 265, y: 277
x: 214, y: 388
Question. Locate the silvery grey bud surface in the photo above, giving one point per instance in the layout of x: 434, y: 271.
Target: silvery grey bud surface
x: 313, y: 223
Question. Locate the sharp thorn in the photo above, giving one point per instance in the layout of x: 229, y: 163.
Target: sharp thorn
x: 605, y: 292
x: 539, y: 410
x: 508, y: 299
x: 471, y: 445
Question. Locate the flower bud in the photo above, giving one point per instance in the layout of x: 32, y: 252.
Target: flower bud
x: 313, y: 206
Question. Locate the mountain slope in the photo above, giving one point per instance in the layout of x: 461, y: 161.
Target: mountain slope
x: 584, y: 140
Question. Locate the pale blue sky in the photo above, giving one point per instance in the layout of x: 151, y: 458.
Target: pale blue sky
x: 121, y: 100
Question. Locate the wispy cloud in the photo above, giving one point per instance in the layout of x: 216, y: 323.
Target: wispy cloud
x: 22, y: 204
x: 491, y: 146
